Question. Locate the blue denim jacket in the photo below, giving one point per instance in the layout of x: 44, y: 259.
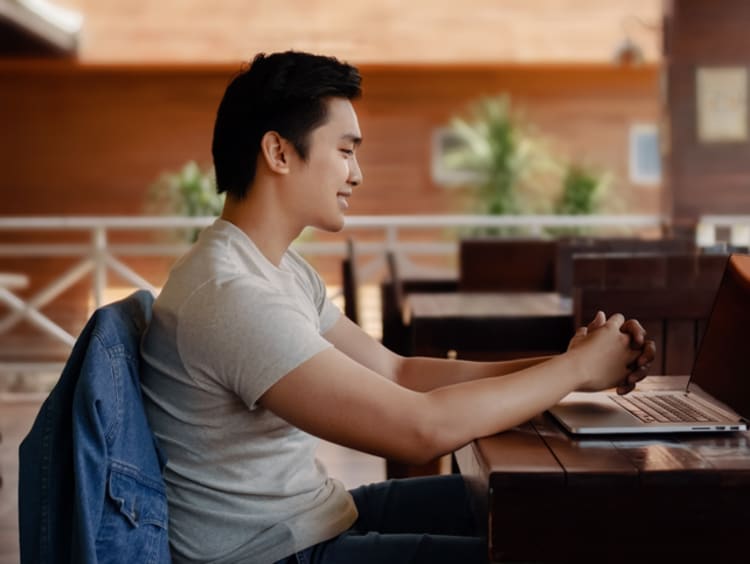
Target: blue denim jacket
x: 90, y: 472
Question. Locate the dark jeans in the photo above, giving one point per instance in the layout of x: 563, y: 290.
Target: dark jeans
x: 415, y: 520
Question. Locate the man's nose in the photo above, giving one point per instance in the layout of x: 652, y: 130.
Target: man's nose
x: 355, y: 173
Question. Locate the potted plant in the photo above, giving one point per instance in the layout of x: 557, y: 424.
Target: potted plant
x: 510, y: 161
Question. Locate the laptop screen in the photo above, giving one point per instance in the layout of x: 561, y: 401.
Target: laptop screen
x: 722, y: 366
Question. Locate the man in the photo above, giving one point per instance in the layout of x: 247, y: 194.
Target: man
x: 246, y: 361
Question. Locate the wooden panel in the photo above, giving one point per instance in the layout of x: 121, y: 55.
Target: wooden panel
x: 91, y: 139
x: 704, y: 178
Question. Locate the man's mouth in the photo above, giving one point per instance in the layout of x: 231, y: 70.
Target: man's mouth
x: 342, y: 199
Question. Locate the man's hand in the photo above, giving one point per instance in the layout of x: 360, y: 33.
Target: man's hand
x: 638, y: 341
x: 639, y: 367
x: 599, y: 320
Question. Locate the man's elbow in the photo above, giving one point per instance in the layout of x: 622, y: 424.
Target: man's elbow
x: 425, y: 441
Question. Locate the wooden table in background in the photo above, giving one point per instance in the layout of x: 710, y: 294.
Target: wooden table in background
x: 488, y: 325
x: 549, y: 496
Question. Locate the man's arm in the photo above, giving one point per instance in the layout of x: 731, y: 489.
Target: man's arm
x: 416, y: 373
x: 341, y: 400
x: 424, y: 374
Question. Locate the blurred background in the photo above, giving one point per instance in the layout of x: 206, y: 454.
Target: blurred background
x: 513, y: 118
x: 633, y: 108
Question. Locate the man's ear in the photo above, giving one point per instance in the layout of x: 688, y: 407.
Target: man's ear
x: 275, y: 151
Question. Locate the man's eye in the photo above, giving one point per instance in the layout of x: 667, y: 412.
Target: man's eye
x: 347, y: 151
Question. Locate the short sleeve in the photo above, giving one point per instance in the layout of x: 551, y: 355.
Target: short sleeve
x: 329, y: 316
x: 245, y: 338
x: 316, y: 288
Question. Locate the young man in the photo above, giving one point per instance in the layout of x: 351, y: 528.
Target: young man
x: 246, y: 361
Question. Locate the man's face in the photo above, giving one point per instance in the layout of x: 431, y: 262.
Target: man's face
x: 326, y: 179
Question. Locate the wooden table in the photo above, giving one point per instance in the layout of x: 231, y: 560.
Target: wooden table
x: 550, y: 496
x: 483, y: 325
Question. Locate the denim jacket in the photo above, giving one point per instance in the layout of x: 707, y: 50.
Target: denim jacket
x: 90, y: 472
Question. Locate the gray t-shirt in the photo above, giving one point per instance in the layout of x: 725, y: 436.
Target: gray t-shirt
x: 243, y: 484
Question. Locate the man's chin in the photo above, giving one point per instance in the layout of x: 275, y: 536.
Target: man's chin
x: 331, y: 225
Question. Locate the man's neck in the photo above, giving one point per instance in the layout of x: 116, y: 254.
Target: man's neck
x: 259, y: 222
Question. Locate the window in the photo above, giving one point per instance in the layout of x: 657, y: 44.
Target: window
x: 645, y: 157
x: 444, y: 141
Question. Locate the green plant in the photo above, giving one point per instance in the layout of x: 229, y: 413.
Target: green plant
x: 583, y: 190
x: 510, y: 162
x: 191, y: 191
x: 503, y: 152
x: 513, y: 169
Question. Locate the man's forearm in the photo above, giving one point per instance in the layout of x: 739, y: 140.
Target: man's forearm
x: 424, y: 374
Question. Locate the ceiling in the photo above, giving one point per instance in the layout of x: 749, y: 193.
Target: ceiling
x: 382, y: 31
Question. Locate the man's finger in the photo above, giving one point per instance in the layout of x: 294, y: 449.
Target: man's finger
x: 648, y: 352
x: 636, y: 331
x: 616, y: 319
x: 599, y: 320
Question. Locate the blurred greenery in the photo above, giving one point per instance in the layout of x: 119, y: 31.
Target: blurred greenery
x: 579, y: 191
x: 515, y: 168
x: 583, y: 189
x: 190, y: 191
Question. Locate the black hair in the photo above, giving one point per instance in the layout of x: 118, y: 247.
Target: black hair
x: 283, y: 92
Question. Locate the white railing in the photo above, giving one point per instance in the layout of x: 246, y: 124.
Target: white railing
x: 99, y: 255
x: 709, y: 228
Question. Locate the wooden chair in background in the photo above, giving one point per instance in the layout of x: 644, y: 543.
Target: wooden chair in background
x: 567, y: 249
x: 393, y: 292
x: 350, y: 282
x: 671, y: 295
x: 507, y: 265
x: 397, y: 336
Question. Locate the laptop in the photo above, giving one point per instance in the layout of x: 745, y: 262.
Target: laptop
x: 717, y: 395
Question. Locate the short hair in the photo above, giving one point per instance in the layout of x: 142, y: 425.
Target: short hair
x: 283, y: 92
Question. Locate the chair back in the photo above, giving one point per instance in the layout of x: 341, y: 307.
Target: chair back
x: 350, y: 282
x: 567, y: 249
x: 671, y: 295
x: 507, y: 265
x: 393, y: 295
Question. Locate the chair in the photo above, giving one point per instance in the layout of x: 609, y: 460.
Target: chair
x: 90, y: 470
x: 507, y: 265
x: 395, y: 332
x: 670, y: 295
x: 393, y: 294
x: 350, y: 282
x: 567, y: 249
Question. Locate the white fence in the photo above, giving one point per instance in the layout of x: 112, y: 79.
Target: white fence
x: 99, y: 256
x: 733, y: 230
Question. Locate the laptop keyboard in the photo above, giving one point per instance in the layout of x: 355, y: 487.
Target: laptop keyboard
x: 661, y: 408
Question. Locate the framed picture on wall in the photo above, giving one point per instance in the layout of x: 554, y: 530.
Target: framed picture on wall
x: 721, y: 104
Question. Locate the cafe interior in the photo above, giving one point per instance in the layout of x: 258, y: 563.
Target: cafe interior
x: 526, y: 164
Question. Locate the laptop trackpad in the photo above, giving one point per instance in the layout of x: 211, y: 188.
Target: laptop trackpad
x: 581, y: 410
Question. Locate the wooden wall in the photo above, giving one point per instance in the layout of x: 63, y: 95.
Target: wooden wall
x: 704, y: 177
x: 90, y: 139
